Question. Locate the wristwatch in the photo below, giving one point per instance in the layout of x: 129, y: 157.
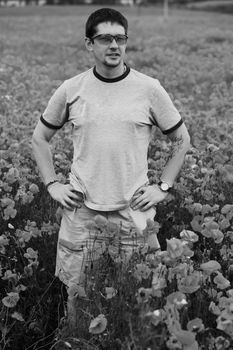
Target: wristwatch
x: 164, y: 187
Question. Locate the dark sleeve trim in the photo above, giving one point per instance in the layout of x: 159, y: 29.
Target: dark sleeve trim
x: 51, y: 126
x: 165, y: 132
x: 70, y: 104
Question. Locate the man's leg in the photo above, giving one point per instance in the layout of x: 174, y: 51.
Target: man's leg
x: 76, y: 244
x: 75, y: 250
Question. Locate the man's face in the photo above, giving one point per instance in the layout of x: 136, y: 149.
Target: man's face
x: 111, y: 54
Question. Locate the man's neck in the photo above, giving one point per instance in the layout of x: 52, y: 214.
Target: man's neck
x: 111, y: 72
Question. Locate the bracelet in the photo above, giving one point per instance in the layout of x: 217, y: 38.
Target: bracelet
x: 50, y: 183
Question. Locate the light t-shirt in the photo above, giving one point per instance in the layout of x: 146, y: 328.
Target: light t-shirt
x: 112, y: 121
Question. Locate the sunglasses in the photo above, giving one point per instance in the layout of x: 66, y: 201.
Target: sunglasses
x: 107, y: 39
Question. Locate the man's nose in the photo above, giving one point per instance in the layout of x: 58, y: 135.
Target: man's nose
x: 113, y: 43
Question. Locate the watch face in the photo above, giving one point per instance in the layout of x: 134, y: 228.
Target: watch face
x: 164, y: 186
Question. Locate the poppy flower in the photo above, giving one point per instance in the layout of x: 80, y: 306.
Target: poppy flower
x: 227, y: 172
x: 210, y: 267
x: 110, y: 292
x: 189, y: 236
x: 196, y: 223
x: 214, y: 308
x: 156, y: 316
x: 91, y: 225
x: 190, y: 283
x: 218, y: 236
x: 187, y: 251
x: 34, y: 188
x: 143, y: 295
x: 177, y: 298
x: 225, y: 325
x: 142, y: 271
x: 221, y: 281
x: 100, y: 221
x: 31, y: 254
x: 158, y: 283
x: 230, y: 293
x: 98, y: 325
x: 11, y: 299
x: 175, y: 248
x: 195, y: 325
x: 227, y: 210
x: 113, y: 228
x: 222, y: 343
x: 9, y: 275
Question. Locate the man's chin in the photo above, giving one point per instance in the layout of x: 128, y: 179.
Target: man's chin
x: 112, y: 63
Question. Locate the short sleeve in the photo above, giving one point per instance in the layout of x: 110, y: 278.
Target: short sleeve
x: 56, y: 112
x: 162, y: 110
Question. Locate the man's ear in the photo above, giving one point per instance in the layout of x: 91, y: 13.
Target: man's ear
x: 89, y: 44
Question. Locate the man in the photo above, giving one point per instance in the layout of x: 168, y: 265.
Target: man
x: 112, y: 109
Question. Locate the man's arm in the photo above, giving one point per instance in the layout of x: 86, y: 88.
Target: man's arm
x: 64, y: 194
x: 42, y: 153
x: 151, y: 195
x: 180, y: 145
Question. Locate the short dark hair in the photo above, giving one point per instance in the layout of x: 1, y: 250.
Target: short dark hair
x: 104, y: 15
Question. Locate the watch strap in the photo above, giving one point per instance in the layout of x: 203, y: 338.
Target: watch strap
x: 50, y: 183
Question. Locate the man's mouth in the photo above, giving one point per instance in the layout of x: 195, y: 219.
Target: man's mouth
x: 113, y: 55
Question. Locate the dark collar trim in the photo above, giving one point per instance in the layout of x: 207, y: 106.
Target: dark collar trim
x: 111, y: 80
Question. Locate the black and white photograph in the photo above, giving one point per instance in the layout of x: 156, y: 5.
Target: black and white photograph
x: 116, y: 174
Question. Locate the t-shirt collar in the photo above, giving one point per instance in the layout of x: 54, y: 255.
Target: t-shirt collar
x: 111, y: 80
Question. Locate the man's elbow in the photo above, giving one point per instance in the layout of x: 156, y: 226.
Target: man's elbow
x: 35, y: 141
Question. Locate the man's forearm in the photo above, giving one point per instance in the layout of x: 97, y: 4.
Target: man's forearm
x: 43, y: 156
x: 180, y: 146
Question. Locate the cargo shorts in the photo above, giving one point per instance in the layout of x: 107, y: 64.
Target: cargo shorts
x: 76, y: 239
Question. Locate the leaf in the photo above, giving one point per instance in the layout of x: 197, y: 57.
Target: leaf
x: 194, y: 346
x: 21, y: 288
x: 17, y: 316
x: 186, y: 338
x: 153, y: 242
x: 75, y: 290
x: 58, y: 214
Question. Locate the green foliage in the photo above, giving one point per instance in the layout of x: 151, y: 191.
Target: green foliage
x: 151, y: 299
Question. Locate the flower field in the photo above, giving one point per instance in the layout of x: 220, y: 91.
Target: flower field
x: 178, y: 298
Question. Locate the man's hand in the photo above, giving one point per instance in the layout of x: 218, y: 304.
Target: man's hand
x: 66, y: 195
x: 147, y: 196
